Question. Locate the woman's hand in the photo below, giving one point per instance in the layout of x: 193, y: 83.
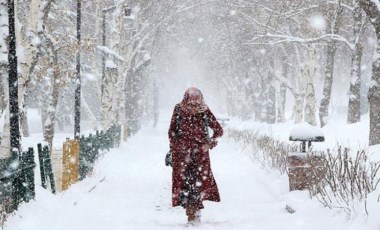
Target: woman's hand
x: 213, y: 143
x: 205, y: 147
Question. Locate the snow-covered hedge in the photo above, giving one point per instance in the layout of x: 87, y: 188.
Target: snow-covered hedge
x: 349, y: 180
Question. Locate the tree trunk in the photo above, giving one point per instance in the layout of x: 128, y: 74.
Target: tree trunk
x: 353, y: 113
x: 332, y: 28
x: 13, y: 81
x: 156, y: 102
x: 374, y: 98
x: 373, y: 12
x: 329, y: 76
x: 123, y: 50
x: 374, y: 103
x: 5, y: 137
x: 106, y: 111
x: 271, y: 104
x: 44, y: 103
x: 3, y: 64
x: 26, y: 35
x: 260, y: 98
x: 77, y: 96
x: 24, y: 119
x: 50, y: 122
x: 282, y: 96
x: 247, y: 103
x: 88, y: 111
x: 309, y: 73
x: 298, y: 107
x: 270, y: 94
x: 3, y: 90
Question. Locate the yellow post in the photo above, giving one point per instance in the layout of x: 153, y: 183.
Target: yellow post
x: 70, y: 161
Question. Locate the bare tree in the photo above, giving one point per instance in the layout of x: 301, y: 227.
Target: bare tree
x: 373, y: 12
x: 332, y: 28
x: 353, y: 113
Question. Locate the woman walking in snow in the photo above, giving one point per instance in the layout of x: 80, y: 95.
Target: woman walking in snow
x: 192, y: 179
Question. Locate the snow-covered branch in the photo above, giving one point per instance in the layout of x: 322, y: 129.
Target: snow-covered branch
x: 342, y: 4
x: 143, y: 63
x: 372, y: 10
x: 281, y: 79
x: 291, y: 39
x: 377, y: 3
x: 159, y: 24
x: 107, y: 51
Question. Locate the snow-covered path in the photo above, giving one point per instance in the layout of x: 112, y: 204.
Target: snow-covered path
x: 131, y: 189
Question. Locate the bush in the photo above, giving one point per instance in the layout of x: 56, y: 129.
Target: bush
x: 349, y: 176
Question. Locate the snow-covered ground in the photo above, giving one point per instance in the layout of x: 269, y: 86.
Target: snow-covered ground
x: 131, y: 189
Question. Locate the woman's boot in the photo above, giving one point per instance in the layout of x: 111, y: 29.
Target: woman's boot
x: 197, y: 216
x: 190, y: 212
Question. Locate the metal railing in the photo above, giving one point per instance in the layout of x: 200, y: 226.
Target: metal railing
x: 17, y: 181
x: 17, y: 177
x: 91, y: 147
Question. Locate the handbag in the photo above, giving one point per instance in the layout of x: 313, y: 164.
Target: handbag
x: 168, y: 159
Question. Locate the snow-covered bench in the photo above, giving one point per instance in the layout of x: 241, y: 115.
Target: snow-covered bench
x: 304, y: 132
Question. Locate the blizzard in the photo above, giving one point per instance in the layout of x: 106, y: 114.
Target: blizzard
x: 130, y: 188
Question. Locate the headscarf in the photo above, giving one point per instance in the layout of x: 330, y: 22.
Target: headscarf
x: 193, y: 92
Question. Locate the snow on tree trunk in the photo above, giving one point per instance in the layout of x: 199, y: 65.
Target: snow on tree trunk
x: 156, y: 103
x: 5, y: 135
x: 27, y: 35
x: 86, y: 108
x: 107, y: 111
x: 3, y: 90
x: 296, y: 87
x: 231, y: 109
x: 4, y: 109
x: 332, y: 28
x: 49, y: 125
x: 298, y: 107
x: 121, y: 47
x: 43, y: 103
x: 373, y: 12
x: 112, y: 101
x: 374, y: 98
x: 5, y: 141
x: 309, y: 73
x: 327, y: 87
x: 353, y: 113
x: 282, y: 95
x: 97, y: 34
x: 3, y: 56
x: 270, y: 106
x: 259, y: 95
x: 247, y: 103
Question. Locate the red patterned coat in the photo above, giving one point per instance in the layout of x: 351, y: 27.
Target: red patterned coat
x: 186, y: 149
